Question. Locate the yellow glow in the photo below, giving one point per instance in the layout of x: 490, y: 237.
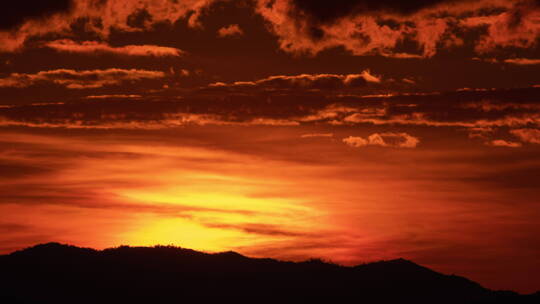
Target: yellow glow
x: 220, y: 201
x: 184, y: 233
x: 208, y: 212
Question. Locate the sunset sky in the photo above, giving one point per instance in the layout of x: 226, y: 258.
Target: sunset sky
x: 347, y: 130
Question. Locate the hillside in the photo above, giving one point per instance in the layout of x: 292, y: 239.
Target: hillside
x: 55, y: 273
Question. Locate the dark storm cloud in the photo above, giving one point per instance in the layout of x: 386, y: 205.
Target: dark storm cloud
x: 14, y: 13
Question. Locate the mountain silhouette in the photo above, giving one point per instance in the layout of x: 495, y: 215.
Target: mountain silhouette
x: 56, y: 273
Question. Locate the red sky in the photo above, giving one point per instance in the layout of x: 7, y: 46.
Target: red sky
x: 353, y: 131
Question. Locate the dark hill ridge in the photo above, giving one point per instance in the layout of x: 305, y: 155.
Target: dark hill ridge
x: 55, y: 273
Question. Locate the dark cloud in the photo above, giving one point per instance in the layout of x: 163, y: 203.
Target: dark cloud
x: 15, y: 13
x: 13, y: 169
x: 322, y: 11
x: 382, y: 27
x: 105, y: 17
x: 519, y: 176
x: 12, y: 227
x: 139, y: 19
x: 261, y: 229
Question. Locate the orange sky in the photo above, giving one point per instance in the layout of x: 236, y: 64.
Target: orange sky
x: 353, y: 131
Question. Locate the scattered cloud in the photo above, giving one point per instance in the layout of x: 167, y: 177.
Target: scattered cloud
x: 230, y: 31
x: 379, y: 28
x: 515, y: 27
x: 100, y: 18
x: 304, y: 27
x: 504, y: 143
x: 389, y: 139
x: 527, y: 135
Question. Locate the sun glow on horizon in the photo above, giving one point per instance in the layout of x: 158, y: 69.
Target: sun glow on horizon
x: 184, y: 233
x: 215, y: 219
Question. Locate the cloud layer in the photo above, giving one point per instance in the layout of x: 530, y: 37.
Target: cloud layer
x: 509, y: 118
x: 397, y: 29
x: 72, y: 79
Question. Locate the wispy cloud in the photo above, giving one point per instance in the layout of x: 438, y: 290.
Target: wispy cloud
x: 307, y: 81
x: 114, y: 96
x: 523, y: 61
x: 79, y: 79
x: 96, y: 47
x: 504, y: 143
x: 314, y: 135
